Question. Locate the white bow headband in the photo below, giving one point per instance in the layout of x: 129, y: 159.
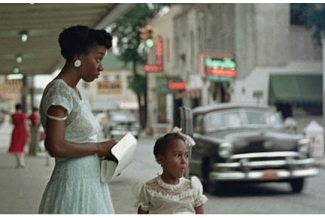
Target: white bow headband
x: 188, y: 139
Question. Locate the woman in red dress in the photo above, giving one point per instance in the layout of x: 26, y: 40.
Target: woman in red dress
x: 19, y: 135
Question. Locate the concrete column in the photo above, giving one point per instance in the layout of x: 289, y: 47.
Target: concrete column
x: 323, y: 46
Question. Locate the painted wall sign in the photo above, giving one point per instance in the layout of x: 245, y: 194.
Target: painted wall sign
x: 109, y: 87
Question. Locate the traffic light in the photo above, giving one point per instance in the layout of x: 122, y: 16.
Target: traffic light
x: 150, y: 38
x: 147, y: 35
x: 143, y: 35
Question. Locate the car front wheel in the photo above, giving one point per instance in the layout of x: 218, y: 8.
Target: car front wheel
x: 297, y: 185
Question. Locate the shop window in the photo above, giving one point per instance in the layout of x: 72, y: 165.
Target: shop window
x: 162, y: 115
x: 296, y: 11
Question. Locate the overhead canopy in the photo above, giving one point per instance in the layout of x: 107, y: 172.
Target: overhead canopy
x: 295, y: 89
x: 43, y: 22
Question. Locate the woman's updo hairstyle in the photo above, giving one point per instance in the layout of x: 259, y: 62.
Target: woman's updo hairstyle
x: 81, y: 40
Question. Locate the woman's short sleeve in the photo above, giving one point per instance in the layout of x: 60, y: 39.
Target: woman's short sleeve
x: 58, y: 94
x: 199, y: 197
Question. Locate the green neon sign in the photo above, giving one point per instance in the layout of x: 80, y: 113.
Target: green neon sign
x: 220, y: 63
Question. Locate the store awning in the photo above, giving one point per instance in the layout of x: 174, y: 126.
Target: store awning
x: 190, y: 93
x: 295, y: 89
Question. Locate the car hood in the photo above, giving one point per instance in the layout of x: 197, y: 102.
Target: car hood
x: 252, y: 140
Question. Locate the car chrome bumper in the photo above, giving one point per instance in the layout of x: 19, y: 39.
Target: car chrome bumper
x: 264, y: 175
x: 245, y: 170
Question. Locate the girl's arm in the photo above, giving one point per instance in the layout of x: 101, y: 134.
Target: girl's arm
x: 140, y: 211
x: 57, y: 146
x: 199, y: 209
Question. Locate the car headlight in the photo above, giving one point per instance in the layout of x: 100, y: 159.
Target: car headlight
x: 225, y: 150
x: 303, y: 146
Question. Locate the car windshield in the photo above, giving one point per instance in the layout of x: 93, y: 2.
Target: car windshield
x: 122, y: 116
x: 244, y: 117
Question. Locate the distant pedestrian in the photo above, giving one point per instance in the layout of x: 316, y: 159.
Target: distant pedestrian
x: 35, y: 122
x: 19, y: 135
x: 170, y: 192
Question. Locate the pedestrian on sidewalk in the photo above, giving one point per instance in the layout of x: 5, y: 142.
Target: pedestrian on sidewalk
x: 71, y: 128
x: 19, y: 135
x: 170, y: 192
x: 35, y: 122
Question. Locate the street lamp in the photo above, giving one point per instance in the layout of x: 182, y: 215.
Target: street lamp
x: 19, y: 59
x: 23, y: 36
x: 16, y: 70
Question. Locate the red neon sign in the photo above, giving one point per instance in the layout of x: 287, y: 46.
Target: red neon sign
x: 221, y: 72
x: 157, y: 67
x: 176, y: 85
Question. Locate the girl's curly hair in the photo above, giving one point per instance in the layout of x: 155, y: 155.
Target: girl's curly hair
x: 162, y: 143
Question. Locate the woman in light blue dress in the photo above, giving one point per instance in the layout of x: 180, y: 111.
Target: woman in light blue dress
x: 71, y: 128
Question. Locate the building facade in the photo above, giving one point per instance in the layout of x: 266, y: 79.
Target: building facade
x: 248, y: 53
x: 161, y: 107
x: 110, y: 90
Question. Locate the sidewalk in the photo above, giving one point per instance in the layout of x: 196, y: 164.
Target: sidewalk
x: 21, y: 189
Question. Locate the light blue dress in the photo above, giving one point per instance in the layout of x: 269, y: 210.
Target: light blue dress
x: 75, y: 186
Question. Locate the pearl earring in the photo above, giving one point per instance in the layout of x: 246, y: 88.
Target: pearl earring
x: 77, y: 63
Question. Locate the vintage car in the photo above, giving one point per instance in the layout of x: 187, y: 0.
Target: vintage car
x: 120, y: 122
x: 236, y: 143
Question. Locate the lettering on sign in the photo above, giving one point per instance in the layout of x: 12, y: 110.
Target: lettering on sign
x: 220, y: 66
x: 10, y: 89
x: 220, y: 63
x: 109, y: 87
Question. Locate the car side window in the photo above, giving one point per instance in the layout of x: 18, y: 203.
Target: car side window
x: 218, y: 120
x: 212, y: 122
x: 197, y: 123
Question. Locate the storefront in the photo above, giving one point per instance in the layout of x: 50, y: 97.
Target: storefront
x: 219, y: 70
x: 290, y: 93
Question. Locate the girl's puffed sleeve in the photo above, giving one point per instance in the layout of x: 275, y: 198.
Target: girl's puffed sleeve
x: 199, y: 197
x: 142, y: 197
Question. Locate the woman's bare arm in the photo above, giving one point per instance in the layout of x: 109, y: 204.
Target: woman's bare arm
x: 57, y: 146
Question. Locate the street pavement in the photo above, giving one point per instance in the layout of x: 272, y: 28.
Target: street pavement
x: 21, y: 189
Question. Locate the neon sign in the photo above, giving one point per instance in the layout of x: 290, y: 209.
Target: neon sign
x: 224, y: 63
x: 157, y: 67
x: 220, y: 66
x: 176, y: 85
x: 217, y: 66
